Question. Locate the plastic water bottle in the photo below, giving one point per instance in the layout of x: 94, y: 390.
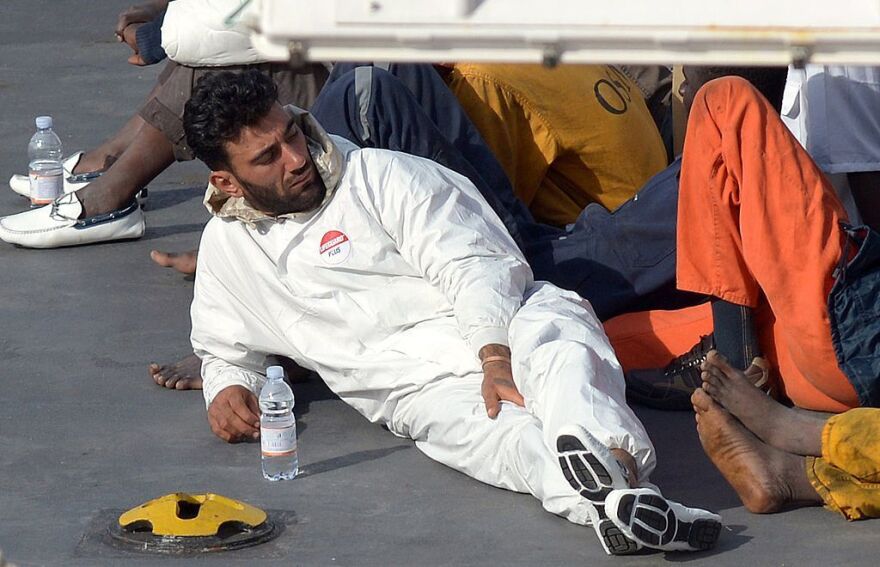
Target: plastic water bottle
x: 277, y: 427
x: 44, y: 163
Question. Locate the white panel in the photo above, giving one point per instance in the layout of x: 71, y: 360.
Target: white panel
x: 669, y: 31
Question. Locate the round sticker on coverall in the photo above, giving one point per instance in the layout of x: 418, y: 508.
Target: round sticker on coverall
x: 335, y: 247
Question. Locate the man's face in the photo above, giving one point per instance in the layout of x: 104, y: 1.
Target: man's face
x: 271, y: 167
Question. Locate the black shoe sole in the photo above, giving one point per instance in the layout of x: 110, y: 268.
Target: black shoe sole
x: 577, y: 465
x: 700, y: 534
x: 582, y: 470
x: 615, y: 541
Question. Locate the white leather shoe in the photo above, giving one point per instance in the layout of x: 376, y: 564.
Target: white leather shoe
x: 58, y: 224
x: 21, y: 184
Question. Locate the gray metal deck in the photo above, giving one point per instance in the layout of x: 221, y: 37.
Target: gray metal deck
x: 83, y: 429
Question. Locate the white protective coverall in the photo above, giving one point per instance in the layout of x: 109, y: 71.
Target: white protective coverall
x: 388, y: 291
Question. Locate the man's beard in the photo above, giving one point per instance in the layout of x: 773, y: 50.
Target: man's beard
x: 269, y: 200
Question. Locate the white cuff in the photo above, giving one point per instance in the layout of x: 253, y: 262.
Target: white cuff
x: 489, y: 336
x: 231, y: 377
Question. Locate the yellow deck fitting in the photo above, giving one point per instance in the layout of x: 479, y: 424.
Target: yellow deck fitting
x: 190, y: 515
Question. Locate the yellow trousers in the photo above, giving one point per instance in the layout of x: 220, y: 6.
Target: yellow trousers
x: 847, y: 475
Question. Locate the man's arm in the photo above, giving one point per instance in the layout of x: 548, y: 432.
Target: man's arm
x: 140, y: 27
x: 234, y: 415
x: 445, y: 229
x: 498, y: 381
x: 449, y: 234
x: 139, y: 14
x: 222, y: 330
x: 233, y: 411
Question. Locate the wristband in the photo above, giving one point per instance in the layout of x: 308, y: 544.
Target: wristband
x: 496, y: 358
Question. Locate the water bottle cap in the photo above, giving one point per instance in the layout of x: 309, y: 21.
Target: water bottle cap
x: 44, y: 122
x: 275, y: 372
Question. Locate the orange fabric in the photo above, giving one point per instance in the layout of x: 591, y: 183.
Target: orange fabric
x: 650, y: 339
x: 758, y: 225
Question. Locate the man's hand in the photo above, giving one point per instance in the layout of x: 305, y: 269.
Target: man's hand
x: 498, y: 381
x: 129, y: 36
x: 234, y: 415
x: 139, y: 14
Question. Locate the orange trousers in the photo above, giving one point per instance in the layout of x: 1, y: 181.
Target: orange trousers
x: 758, y: 225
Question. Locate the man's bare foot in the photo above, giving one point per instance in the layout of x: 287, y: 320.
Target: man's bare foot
x: 185, y: 374
x: 629, y: 463
x: 765, y: 478
x: 93, y: 161
x: 775, y: 424
x: 183, y: 262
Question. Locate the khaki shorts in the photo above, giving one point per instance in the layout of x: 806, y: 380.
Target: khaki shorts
x: 164, y: 110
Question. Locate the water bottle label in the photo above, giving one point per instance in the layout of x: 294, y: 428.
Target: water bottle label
x: 45, y: 188
x: 278, y: 442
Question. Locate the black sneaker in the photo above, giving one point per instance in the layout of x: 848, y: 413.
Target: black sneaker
x: 670, y: 388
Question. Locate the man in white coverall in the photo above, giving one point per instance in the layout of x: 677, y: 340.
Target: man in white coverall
x: 392, y: 278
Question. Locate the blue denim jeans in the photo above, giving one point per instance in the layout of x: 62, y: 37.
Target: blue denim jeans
x: 854, y: 309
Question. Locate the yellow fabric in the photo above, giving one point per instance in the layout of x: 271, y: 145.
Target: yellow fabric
x: 566, y: 137
x: 847, y: 476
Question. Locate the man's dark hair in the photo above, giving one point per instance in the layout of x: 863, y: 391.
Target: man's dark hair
x: 770, y: 81
x: 221, y: 105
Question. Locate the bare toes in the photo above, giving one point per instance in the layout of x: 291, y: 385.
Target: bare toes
x: 710, y: 389
x: 172, y: 381
x: 189, y: 384
x: 156, y: 374
x: 700, y: 400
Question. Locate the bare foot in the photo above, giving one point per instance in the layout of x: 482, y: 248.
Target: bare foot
x: 185, y: 374
x: 629, y: 463
x: 765, y: 478
x: 93, y: 161
x: 775, y: 424
x: 183, y: 262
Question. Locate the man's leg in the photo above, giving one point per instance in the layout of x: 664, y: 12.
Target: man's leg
x: 841, y: 466
x: 148, y: 155
x: 147, y: 148
x: 102, y: 157
x: 623, y: 260
x: 765, y: 478
x: 448, y: 421
x: 758, y: 219
x: 566, y: 370
x: 577, y: 385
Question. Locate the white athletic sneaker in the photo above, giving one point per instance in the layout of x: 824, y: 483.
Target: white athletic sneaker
x: 58, y: 224
x: 653, y: 521
x: 591, y: 470
x: 21, y: 184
